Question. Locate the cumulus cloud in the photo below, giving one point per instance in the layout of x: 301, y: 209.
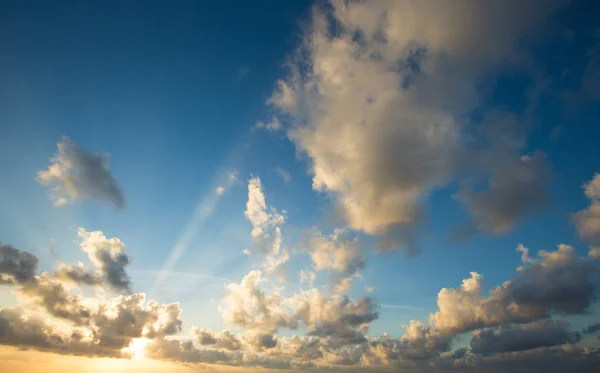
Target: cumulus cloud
x: 246, y: 305
x: 334, y: 252
x: 588, y: 221
x: 59, y: 319
x: 76, y: 174
x: 17, y: 266
x: 378, y: 97
x: 266, y: 227
x: 509, y: 338
x: 224, y: 340
x: 557, y: 282
x: 108, y: 255
x: 64, y: 320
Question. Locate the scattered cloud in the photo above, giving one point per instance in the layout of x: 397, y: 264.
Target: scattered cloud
x: 272, y: 126
x: 75, y: 174
x: 284, y: 174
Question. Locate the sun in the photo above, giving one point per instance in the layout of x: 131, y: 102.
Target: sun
x: 137, y: 348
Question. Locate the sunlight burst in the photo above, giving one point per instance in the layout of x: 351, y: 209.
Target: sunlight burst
x: 137, y: 349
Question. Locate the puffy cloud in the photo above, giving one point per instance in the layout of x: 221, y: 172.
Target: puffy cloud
x: 266, y: 227
x: 17, y: 265
x: 20, y: 328
x: 224, y: 340
x: 75, y: 174
x: 378, y: 98
x: 556, y: 282
x: 51, y: 294
x: 183, y: 351
x: 245, y: 304
x: 335, y: 316
x: 260, y: 341
x: 588, y: 220
x: 79, y: 274
x: 509, y: 338
x: 335, y: 252
x: 108, y: 255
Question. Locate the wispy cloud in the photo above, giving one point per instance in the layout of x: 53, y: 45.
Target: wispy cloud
x: 204, y: 209
x: 401, y: 306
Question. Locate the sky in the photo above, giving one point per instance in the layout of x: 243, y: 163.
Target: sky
x: 343, y: 185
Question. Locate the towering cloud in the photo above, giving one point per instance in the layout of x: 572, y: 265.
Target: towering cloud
x: 266, y: 227
x: 76, y: 174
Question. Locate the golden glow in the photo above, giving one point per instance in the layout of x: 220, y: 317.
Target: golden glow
x: 137, y: 348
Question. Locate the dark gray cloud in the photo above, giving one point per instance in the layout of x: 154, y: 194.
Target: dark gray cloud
x: 17, y: 266
x: 76, y: 174
x: 108, y: 255
x: 513, y: 192
x: 224, y: 340
x: 510, y: 338
x: 79, y: 274
x: 591, y: 329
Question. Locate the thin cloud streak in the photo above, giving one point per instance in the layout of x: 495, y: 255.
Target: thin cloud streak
x: 401, y: 306
x: 204, y: 209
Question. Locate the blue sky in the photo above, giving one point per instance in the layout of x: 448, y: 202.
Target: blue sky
x: 173, y: 93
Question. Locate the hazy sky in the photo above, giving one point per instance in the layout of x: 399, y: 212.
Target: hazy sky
x: 382, y: 185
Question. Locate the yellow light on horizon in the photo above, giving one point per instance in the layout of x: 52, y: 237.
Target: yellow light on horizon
x: 137, y: 348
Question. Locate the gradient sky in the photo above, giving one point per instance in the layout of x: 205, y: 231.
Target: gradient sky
x: 487, y: 140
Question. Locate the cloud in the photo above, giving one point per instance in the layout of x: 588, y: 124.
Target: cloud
x: 284, y: 174
x: 307, y: 277
x: 108, y: 255
x: 76, y: 174
x: 335, y: 252
x: 591, y: 329
x: 17, y: 266
x: 379, y: 96
x: 557, y: 282
x: 588, y: 221
x: 65, y: 320
x: 335, y: 316
x: 60, y: 319
x: 224, y: 340
x: 266, y: 227
x: 271, y: 126
x: 512, y: 193
x: 509, y: 338
x: 246, y: 305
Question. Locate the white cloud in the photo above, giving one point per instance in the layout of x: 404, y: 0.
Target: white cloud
x: 76, y: 174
